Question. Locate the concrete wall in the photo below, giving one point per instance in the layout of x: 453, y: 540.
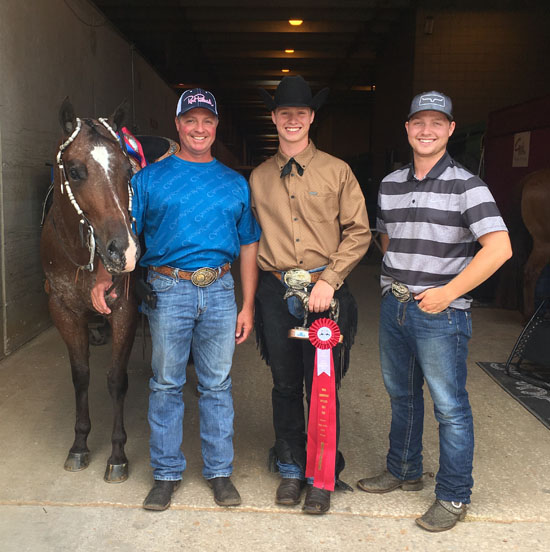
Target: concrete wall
x: 48, y: 50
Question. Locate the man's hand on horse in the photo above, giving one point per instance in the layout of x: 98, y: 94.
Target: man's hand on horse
x: 103, y: 282
x: 320, y: 296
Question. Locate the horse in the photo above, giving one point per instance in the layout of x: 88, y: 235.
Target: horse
x: 90, y: 219
x: 535, y: 211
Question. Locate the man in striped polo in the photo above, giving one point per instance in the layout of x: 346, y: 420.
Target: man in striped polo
x: 431, y: 213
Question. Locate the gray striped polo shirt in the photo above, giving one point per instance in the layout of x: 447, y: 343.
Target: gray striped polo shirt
x: 433, y: 225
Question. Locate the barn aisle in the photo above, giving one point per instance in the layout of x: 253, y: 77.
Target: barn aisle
x: 44, y: 508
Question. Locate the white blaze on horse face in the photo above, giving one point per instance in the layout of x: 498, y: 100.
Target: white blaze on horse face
x: 131, y: 251
x: 101, y: 157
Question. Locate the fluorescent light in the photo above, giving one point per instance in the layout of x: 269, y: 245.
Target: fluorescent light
x: 289, y: 51
x: 285, y: 70
x: 295, y: 22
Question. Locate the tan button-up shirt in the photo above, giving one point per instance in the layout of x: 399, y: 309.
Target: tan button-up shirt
x: 312, y: 220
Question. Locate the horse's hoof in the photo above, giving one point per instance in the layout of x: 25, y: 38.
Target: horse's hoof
x: 77, y: 461
x: 116, y: 473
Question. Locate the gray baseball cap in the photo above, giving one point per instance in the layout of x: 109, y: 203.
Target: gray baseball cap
x: 432, y: 101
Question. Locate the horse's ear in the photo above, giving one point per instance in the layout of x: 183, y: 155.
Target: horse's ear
x: 120, y: 115
x: 67, y: 118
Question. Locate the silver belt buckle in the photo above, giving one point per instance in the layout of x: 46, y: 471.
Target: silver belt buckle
x: 401, y: 292
x: 203, y: 277
x: 297, y: 278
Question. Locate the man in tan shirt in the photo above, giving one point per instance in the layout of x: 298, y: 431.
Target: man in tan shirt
x: 313, y: 217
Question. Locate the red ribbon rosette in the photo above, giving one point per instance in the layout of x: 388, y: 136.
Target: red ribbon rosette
x: 324, y: 334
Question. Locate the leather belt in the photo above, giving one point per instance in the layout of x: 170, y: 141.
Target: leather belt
x: 202, y: 277
x: 314, y: 275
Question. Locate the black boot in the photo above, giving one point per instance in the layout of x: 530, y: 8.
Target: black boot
x: 317, y: 501
x: 225, y: 493
x: 160, y: 495
x: 289, y: 491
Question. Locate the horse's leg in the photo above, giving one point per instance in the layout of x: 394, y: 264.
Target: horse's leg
x: 123, y: 321
x: 74, y: 331
x: 538, y: 259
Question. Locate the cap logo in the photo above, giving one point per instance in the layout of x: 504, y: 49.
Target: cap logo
x: 198, y: 98
x: 431, y: 101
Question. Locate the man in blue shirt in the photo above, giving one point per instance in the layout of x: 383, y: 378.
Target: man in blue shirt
x: 194, y: 215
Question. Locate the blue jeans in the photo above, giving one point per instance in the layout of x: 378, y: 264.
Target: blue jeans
x: 416, y: 346
x: 201, y: 320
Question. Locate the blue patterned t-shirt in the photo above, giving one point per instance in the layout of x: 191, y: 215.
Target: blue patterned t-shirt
x: 192, y: 214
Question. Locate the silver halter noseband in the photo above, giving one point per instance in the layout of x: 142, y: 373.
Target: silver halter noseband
x: 90, y: 238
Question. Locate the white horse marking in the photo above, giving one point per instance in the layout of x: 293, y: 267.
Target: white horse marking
x: 101, y: 156
x: 131, y: 254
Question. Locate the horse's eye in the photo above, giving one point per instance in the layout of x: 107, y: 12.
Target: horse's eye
x: 77, y: 172
x: 73, y: 173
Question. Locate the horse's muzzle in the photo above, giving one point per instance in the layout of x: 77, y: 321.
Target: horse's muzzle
x: 121, y: 255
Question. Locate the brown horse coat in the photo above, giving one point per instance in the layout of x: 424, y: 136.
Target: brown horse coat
x: 535, y: 211
x: 97, y: 174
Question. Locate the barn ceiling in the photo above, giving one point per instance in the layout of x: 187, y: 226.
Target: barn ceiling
x: 232, y: 47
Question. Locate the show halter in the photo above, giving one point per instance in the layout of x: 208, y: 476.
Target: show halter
x: 90, y: 238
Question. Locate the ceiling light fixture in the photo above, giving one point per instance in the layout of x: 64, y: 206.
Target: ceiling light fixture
x: 289, y: 51
x: 285, y: 70
x: 295, y: 22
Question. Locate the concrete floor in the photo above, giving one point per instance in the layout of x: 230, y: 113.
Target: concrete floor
x: 44, y: 508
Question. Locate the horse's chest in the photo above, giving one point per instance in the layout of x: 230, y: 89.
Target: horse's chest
x: 71, y: 289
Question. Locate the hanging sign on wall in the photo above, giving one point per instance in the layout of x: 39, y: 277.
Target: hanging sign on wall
x: 520, y: 157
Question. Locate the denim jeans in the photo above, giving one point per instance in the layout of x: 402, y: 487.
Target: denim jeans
x: 201, y: 320
x: 417, y: 346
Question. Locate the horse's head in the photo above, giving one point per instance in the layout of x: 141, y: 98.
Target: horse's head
x: 95, y: 174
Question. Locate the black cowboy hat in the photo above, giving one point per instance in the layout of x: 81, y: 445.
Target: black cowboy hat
x: 294, y: 92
